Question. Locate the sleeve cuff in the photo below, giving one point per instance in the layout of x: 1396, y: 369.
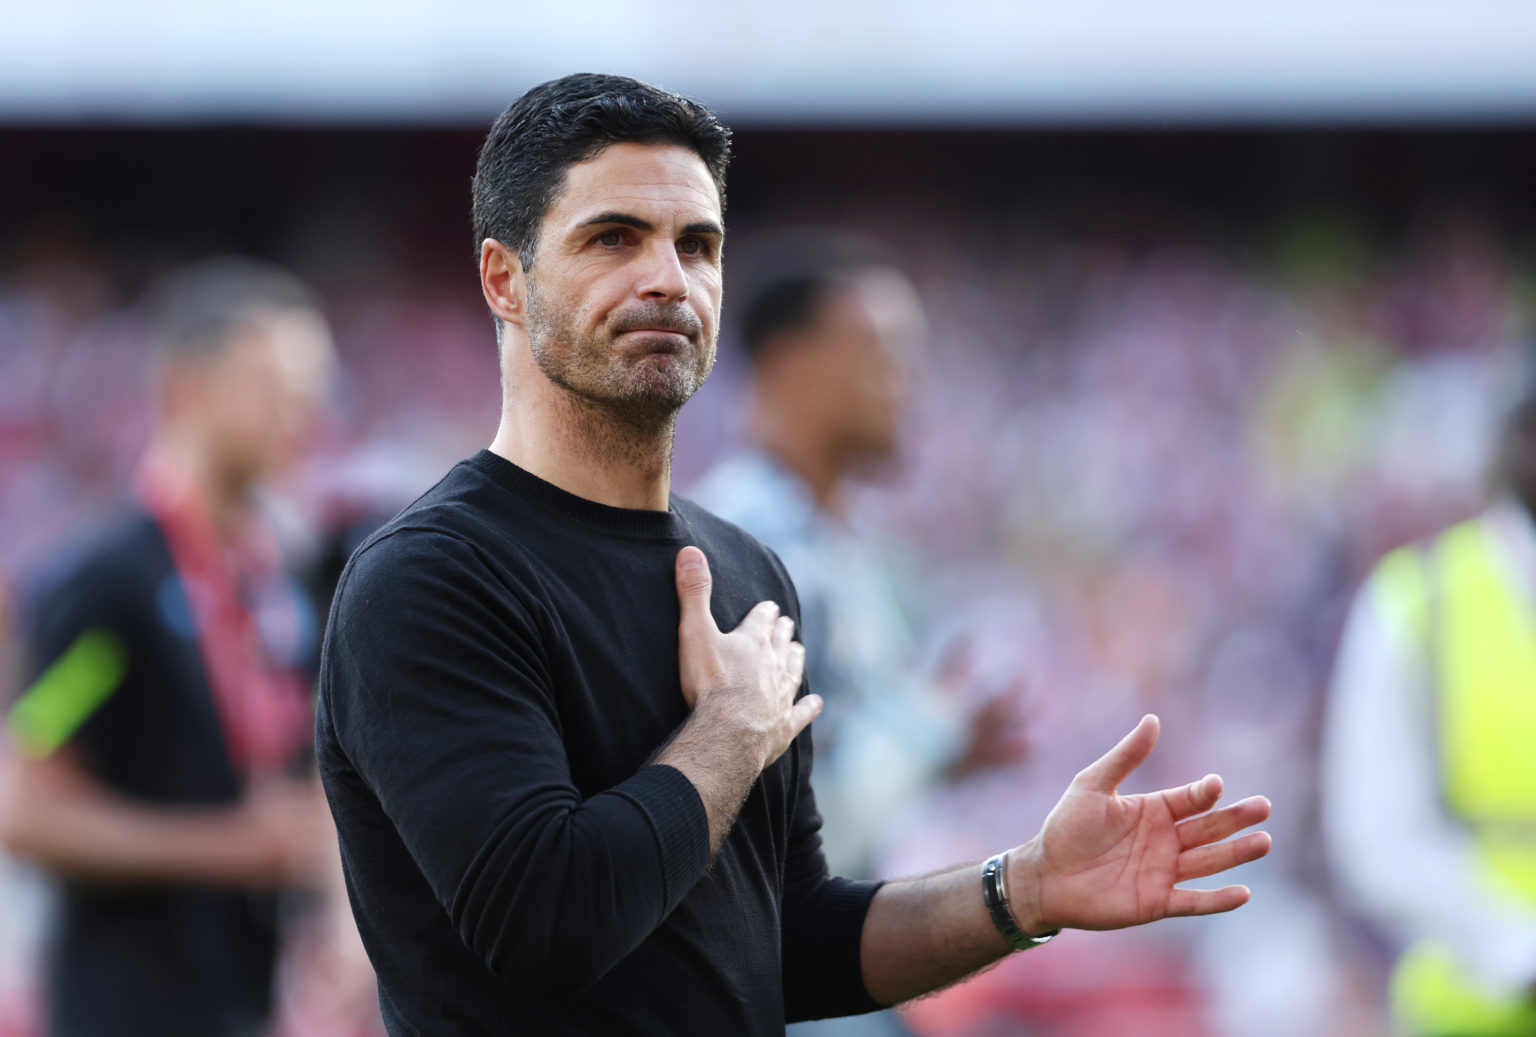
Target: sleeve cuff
x: 679, y: 822
x: 824, y: 974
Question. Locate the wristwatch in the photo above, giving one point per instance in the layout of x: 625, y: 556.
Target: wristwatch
x: 994, y: 891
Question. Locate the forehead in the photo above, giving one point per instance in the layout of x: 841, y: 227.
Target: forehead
x: 880, y: 298
x: 630, y: 177
x: 892, y: 303
x: 294, y: 344
x: 880, y: 301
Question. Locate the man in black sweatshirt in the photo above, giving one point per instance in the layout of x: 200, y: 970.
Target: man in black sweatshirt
x: 568, y: 802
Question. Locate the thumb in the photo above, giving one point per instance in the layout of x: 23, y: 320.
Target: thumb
x: 1107, y: 772
x: 693, y: 587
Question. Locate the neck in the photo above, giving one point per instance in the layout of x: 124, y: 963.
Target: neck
x: 224, y: 498
x: 798, y: 447
x: 578, y: 446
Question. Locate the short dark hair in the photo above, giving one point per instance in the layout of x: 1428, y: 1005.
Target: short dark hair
x: 569, y: 120
x: 788, y: 275
x: 192, y: 309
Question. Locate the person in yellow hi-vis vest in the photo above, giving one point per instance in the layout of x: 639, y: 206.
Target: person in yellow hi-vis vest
x: 1430, y: 758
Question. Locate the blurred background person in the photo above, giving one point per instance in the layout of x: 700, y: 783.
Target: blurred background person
x: 1428, y: 761
x: 834, y: 335
x: 152, y: 744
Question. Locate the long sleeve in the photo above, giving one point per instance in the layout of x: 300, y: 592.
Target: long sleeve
x: 439, y: 691
x: 1401, y: 857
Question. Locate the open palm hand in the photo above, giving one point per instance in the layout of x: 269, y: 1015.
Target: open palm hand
x: 1106, y: 861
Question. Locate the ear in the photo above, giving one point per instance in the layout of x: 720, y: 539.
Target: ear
x: 503, y: 283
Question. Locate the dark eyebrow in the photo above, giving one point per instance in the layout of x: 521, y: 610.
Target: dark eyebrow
x: 624, y: 219
x: 621, y: 218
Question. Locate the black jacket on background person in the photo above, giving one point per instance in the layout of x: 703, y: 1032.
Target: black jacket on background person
x: 118, y: 677
x: 501, y: 665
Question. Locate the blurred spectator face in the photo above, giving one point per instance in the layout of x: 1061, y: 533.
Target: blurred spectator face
x: 254, y: 400
x: 865, y: 340
x: 624, y: 291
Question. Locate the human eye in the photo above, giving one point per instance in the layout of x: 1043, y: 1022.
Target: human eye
x: 693, y: 247
x: 610, y: 238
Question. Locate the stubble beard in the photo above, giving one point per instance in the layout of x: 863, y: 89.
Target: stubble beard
x: 631, y: 400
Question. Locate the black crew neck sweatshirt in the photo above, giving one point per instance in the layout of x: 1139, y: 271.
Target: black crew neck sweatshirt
x: 500, y: 668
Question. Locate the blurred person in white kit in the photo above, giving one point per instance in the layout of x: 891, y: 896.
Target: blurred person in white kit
x: 1430, y: 758
x: 153, y: 746
x: 832, y: 332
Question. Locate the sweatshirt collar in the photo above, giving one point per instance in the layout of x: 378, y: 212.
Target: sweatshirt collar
x: 639, y: 523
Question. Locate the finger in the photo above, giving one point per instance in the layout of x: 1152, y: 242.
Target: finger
x: 803, y: 712
x: 1185, y: 902
x: 800, y: 716
x: 783, y: 630
x: 1107, y: 772
x: 1208, y: 860
x: 1195, y: 798
x: 1216, y: 826
x: 693, y: 588
x: 760, y: 619
x: 794, y: 668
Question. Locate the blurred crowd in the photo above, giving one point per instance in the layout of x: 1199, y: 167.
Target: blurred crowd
x: 1136, y: 475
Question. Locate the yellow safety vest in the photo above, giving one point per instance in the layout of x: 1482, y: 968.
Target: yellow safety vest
x: 1465, y: 603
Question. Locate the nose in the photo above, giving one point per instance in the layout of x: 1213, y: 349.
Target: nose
x: 661, y: 276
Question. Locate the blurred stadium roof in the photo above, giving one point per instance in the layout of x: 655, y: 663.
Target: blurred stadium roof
x: 967, y: 62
